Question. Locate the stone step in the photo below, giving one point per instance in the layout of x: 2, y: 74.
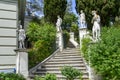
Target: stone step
x: 56, y: 73
x: 70, y: 45
x: 57, y: 57
x: 62, y: 65
x: 71, y: 51
x: 66, y: 59
x: 64, y: 62
x: 67, y: 56
x: 58, y: 68
x: 43, y: 71
x: 75, y: 49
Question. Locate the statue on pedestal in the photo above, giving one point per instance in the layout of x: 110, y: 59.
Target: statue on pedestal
x: 96, y: 26
x: 21, y: 37
x: 59, y: 33
x: 58, y: 24
x: 82, y: 19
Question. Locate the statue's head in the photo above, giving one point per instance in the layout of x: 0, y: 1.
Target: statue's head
x: 81, y: 11
x: 20, y: 26
x: 94, y: 12
x: 58, y: 16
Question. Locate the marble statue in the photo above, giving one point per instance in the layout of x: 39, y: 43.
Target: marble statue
x: 96, y: 26
x: 59, y: 33
x: 21, y: 37
x: 82, y: 19
x: 58, y: 23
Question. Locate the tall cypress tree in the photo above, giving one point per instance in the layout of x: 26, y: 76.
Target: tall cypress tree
x: 52, y: 8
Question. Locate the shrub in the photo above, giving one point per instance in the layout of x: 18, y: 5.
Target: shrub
x: 48, y: 76
x: 11, y: 76
x: 66, y: 37
x: 42, y: 38
x: 74, y: 28
x: 84, y: 49
x: 33, y: 32
x: 105, y: 55
x: 38, y: 78
x: 70, y: 73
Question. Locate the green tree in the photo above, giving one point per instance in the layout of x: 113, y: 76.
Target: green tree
x: 117, y: 7
x: 105, y: 8
x: 69, y: 18
x: 21, y: 10
x: 42, y: 37
x: 52, y: 8
x: 69, y: 6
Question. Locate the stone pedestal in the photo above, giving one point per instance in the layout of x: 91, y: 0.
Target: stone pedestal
x: 82, y: 33
x: 72, y: 35
x: 22, y: 62
x: 60, y: 40
x: 72, y: 39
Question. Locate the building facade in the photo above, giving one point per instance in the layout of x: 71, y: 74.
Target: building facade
x: 10, y: 13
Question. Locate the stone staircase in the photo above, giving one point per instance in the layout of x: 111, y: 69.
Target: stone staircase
x: 69, y: 57
x: 70, y: 45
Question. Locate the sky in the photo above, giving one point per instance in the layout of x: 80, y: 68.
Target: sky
x: 73, y: 7
x: 36, y: 13
x: 41, y: 13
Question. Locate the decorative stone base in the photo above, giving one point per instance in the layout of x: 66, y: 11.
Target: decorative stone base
x: 72, y: 40
x: 60, y: 40
x: 22, y: 62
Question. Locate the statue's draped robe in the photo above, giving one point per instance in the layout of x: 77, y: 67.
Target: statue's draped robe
x: 96, y: 27
x: 82, y: 20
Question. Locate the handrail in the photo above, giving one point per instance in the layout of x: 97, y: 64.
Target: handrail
x: 40, y: 64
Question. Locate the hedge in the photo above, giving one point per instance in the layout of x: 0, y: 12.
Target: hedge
x: 105, y: 55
